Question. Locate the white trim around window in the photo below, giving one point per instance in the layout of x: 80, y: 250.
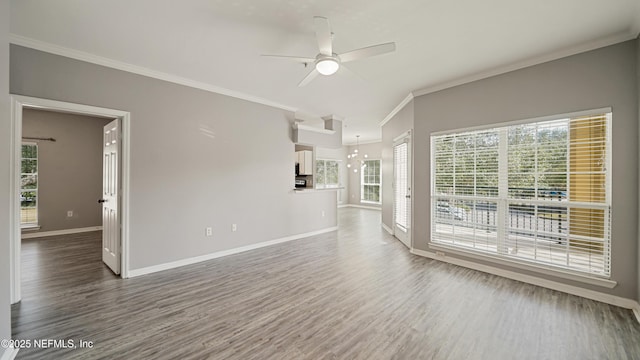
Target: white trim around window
x: 29, y: 184
x: 371, y: 182
x: 534, y: 192
x: 328, y: 172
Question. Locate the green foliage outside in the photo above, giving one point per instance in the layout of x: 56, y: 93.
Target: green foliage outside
x: 470, y: 160
x: 29, y: 175
x: 371, y: 193
x: 371, y: 181
x: 327, y: 173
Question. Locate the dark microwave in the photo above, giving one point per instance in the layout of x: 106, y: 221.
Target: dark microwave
x: 301, y: 183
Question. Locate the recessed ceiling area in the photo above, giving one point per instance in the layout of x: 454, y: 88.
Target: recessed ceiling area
x: 221, y: 42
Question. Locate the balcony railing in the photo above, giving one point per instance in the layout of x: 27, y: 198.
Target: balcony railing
x: 534, y: 228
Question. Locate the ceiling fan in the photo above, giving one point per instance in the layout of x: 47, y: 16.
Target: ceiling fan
x: 327, y: 62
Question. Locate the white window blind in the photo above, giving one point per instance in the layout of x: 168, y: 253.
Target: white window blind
x: 536, y: 192
x: 400, y: 158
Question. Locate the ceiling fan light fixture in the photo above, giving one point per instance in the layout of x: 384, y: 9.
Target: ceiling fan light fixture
x: 328, y: 62
x: 327, y: 66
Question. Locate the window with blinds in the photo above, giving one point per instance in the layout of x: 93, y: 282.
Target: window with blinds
x: 536, y: 192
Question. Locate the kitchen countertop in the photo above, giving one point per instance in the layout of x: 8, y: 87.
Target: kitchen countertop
x: 311, y: 190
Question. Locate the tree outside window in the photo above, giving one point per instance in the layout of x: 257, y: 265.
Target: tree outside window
x: 370, y: 182
x: 29, y: 184
x: 327, y: 174
x: 534, y: 192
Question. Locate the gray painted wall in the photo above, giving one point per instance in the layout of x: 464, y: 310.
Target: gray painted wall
x: 5, y: 186
x: 69, y: 169
x: 398, y: 125
x: 198, y: 159
x: 374, y: 152
x: 595, y: 79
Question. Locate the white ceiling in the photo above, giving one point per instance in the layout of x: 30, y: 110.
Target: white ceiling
x: 219, y: 42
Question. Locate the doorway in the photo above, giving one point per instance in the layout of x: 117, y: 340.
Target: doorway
x: 19, y: 103
x: 402, y: 188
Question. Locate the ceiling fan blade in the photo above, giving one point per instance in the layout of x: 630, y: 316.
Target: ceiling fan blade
x: 307, y: 79
x: 293, y: 58
x: 323, y: 34
x: 352, y: 74
x: 368, y: 52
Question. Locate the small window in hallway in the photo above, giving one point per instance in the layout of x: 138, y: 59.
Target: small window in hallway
x: 370, y: 182
x: 29, y: 185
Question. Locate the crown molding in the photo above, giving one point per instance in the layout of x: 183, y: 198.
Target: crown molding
x: 397, y: 109
x: 139, y: 70
x: 631, y: 34
x: 569, y: 51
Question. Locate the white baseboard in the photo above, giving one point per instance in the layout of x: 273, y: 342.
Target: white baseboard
x: 636, y: 311
x: 387, y: 229
x: 363, y: 207
x: 9, y: 354
x: 549, y: 284
x: 343, y: 206
x: 59, y: 232
x: 215, y: 255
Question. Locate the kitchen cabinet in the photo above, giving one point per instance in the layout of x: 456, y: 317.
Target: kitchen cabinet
x: 305, y: 161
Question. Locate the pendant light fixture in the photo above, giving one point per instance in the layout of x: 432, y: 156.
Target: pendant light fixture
x: 354, y: 159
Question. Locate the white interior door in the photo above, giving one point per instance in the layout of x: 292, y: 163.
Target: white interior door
x: 110, y: 190
x: 402, y: 190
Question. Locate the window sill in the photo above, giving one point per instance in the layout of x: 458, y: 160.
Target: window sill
x: 370, y: 202
x: 30, y: 227
x: 564, y: 274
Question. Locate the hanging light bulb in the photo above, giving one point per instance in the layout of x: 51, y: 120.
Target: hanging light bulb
x: 354, y: 156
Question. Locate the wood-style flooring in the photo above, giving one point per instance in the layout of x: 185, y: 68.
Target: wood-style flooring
x: 355, y: 293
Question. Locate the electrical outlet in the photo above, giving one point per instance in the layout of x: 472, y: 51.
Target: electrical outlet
x: 439, y: 253
x: 322, y: 213
x: 70, y: 213
x: 208, y: 231
x: 234, y: 227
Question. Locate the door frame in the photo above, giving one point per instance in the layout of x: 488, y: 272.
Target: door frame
x: 18, y: 103
x: 398, y: 139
